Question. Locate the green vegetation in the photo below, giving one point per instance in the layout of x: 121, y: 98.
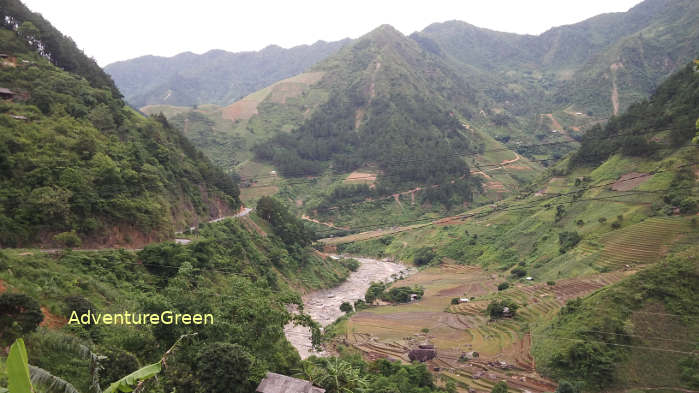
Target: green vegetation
x: 640, y: 326
x: 192, y: 80
x: 241, y: 277
x: 501, y: 308
x: 82, y: 164
x: 672, y: 107
x: 349, y: 373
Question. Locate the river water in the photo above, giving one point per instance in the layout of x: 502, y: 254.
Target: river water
x: 324, y: 305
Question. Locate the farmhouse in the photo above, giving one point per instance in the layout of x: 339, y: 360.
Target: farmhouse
x: 422, y: 353
x: 277, y: 383
x: 6, y: 93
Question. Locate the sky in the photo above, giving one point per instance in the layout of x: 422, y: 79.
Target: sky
x: 114, y: 30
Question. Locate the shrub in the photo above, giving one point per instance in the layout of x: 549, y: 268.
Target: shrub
x: 351, y: 264
x: 550, y: 283
x: 602, y: 220
x: 616, y: 225
x: 375, y: 291
x: 425, y: 330
x: 455, y: 300
x: 346, y: 307
x: 423, y: 256
x: 68, y: 239
x: 568, y: 240
x: 496, y: 308
x: 519, y: 272
x: 19, y: 314
x: 500, y: 387
x: 502, y: 286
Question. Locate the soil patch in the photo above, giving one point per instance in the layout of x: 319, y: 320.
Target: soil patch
x: 52, y: 321
x: 630, y: 181
x: 360, y: 177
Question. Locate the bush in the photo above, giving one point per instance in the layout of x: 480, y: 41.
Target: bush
x: 616, y: 225
x: 455, y: 300
x: 351, y: 264
x: 602, y: 220
x: 423, y: 256
x: 500, y: 387
x: 19, y: 314
x: 568, y: 240
x: 402, y: 294
x: 68, y: 239
x: 496, y: 308
x: 346, y: 307
x: 503, y: 285
x: 519, y: 272
x: 550, y: 283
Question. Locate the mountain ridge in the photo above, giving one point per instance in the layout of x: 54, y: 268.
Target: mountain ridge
x: 213, y: 77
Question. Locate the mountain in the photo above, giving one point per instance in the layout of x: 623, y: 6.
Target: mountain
x: 215, y: 77
x: 600, y: 65
x: 80, y: 166
x: 598, y: 257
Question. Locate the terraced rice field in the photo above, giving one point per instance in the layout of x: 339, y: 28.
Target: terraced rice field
x: 391, y: 331
x: 642, y: 243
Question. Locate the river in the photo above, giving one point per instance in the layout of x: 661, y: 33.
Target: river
x: 324, y: 305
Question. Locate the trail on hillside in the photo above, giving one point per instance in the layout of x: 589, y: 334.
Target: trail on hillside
x: 244, y: 212
x: 615, y: 91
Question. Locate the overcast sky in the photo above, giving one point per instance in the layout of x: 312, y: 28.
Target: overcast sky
x: 113, y: 30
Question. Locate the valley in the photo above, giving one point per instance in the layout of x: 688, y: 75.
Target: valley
x: 449, y: 210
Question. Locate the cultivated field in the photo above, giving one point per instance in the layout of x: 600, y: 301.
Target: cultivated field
x: 390, y: 331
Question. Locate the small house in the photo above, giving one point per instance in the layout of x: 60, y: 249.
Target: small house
x: 6, y: 93
x: 277, y: 383
x: 414, y: 297
x: 507, y: 313
x: 529, y: 278
x: 464, y: 300
x: 422, y: 353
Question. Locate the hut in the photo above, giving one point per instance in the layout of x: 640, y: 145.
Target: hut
x: 277, y: 383
x: 6, y: 93
x: 422, y: 353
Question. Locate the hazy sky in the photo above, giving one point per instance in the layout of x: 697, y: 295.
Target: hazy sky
x: 112, y: 30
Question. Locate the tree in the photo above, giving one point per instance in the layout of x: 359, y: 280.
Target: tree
x: 225, y: 368
x: 503, y: 285
x: 496, y: 309
x: 500, y: 387
x: 19, y: 314
x: 423, y: 256
x: 29, y: 32
x: 346, y: 307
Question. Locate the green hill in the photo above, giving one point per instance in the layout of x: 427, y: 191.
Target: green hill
x: 640, y: 332
x: 215, y: 77
x: 76, y: 162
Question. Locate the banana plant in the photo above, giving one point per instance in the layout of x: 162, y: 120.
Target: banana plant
x: 21, y: 375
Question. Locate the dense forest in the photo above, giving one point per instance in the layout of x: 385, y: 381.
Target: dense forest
x: 382, y: 110
x: 76, y: 163
x: 672, y: 108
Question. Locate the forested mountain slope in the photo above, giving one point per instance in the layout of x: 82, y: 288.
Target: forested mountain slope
x: 639, y: 171
x: 215, y: 77
x: 77, y: 163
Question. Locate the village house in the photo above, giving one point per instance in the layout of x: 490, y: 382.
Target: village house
x: 6, y: 94
x: 422, y: 353
x: 277, y: 383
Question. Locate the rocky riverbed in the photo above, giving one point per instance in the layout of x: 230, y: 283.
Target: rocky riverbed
x: 324, y: 305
